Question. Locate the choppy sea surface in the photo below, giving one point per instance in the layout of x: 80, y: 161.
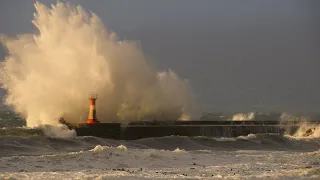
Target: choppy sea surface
x: 27, y: 153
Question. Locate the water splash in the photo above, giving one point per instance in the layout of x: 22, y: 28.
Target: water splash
x: 50, y: 74
x: 243, y: 116
x: 304, y: 129
x: 290, y: 117
x: 59, y: 131
x: 307, y: 130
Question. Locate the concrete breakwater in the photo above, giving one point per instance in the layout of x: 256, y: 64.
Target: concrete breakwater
x: 145, y: 129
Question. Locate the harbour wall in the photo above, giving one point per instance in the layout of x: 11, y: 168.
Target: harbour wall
x: 138, y: 130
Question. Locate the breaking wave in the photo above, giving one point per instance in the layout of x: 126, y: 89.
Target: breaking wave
x: 49, y: 74
x: 36, y: 142
x: 306, y: 127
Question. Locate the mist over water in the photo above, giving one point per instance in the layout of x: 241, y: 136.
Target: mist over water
x: 49, y: 74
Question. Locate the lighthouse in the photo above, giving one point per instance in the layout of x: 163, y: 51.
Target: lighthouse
x: 92, y: 118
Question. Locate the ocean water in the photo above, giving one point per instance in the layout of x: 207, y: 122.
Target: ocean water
x: 27, y: 153
x: 68, y: 42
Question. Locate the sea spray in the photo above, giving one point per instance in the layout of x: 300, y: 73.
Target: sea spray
x: 58, y: 131
x: 243, y: 116
x: 304, y: 127
x: 49, y: 74
x: 291, y: 117
x: 307, y: 129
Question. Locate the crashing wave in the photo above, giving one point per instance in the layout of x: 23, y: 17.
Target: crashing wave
x: 74, y: 54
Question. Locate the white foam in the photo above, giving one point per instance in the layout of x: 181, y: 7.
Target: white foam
x: 59, y: 131
x: 122, y: 148
x: 179, y: 150
x: 99, y: 148
x: 114, y: 163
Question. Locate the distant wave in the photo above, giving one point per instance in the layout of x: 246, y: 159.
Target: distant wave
x: 20, y: 132
x: 275, y: 116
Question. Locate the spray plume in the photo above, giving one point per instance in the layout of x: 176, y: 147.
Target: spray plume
x: 304, y: 126
x: 243, y: 116
x: 49, y: 75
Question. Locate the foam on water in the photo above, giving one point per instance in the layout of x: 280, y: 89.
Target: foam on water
x: 124, y: 163
x: 258, y: 156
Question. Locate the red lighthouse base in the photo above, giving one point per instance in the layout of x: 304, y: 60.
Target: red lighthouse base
x: 92, y: 121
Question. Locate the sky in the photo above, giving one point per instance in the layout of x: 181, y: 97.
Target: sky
x: 249, y: 55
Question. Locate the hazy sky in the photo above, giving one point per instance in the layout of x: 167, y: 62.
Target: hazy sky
x: 238, y: 55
